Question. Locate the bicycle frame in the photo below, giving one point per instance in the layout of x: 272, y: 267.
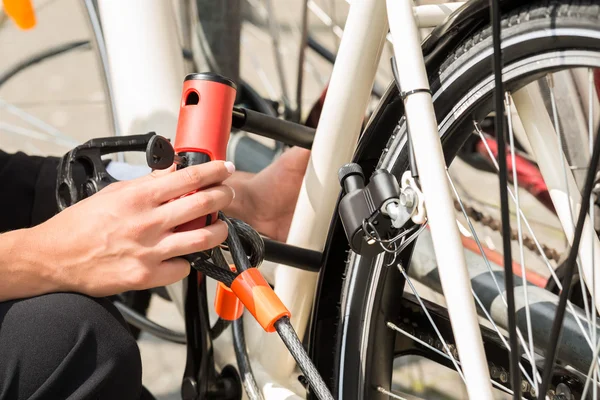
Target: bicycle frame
x: 146, y: 88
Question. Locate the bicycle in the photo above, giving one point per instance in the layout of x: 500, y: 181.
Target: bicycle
x: 364, y: 341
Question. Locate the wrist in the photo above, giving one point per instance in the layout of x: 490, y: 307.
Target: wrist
x: 25, y: 255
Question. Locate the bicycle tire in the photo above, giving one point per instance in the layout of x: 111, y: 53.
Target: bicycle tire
x: 357, y: 358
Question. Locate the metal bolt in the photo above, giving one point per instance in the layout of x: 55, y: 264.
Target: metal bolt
x: 407, y: 197
x: 494, y: 372
x: 525, y: 386
x: 503, y: 377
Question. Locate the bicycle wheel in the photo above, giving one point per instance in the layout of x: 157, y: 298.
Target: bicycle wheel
x: 551, y: 51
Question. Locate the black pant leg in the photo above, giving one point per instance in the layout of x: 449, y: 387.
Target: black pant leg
x: 66, y: 346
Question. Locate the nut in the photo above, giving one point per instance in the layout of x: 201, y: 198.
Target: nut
x: 407, y: 197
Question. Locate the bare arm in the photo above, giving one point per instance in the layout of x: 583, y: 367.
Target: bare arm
x: 121, y: 239
x: 267, y: 200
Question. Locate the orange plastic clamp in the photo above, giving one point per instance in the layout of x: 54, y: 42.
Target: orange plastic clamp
x: 20, y: 11
x: 258, y: 297
x: 227, y: 305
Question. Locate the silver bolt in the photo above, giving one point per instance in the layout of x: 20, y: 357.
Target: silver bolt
x: 503, y: 377
x: 407, y: 197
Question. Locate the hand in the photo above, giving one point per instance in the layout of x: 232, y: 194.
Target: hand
x: 267, y: 200
x: 123, y: 238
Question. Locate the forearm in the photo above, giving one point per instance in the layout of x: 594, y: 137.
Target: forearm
x: 22, y: 270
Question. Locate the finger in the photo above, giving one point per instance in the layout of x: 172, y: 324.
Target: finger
x: 157, y: 173
x: 178, y: 183
x: 168, y: 272
x: 194, y: 206
x: 181, y: 243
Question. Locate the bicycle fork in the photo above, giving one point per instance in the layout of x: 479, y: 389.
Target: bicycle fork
x: 424, y: 135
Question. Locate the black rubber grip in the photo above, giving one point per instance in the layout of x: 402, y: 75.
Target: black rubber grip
x: 273, y: 128
x: 297, y: 257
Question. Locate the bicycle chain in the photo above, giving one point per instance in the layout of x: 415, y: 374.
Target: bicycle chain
x: 496, y: 225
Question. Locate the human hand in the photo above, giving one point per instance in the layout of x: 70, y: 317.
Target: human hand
x: 123, y: 238
x: 267, y: 200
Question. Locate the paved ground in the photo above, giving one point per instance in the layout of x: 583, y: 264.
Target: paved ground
x: 66, y: 93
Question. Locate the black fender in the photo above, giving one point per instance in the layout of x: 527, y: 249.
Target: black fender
x: 444, y: 39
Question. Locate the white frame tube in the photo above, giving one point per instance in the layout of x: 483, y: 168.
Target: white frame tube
x: 335, y: 142
x: 432, y: 15
x: 447, y: 245
x: 146, y: 72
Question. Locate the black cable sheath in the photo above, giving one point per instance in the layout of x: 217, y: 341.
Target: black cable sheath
x: 292, y: 342
x: 199, y: 262
x: 569, y: 272
x: 236, y: 249
x: 218, y: 328
x: 515, y: 373
x: 243, y: 361
x: 139, y: 321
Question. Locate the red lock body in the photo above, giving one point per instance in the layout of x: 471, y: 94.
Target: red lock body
x: 205, y: 115
x: 204, y: 124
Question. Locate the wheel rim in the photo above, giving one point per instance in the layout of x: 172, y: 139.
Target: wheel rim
x: 516, y: 74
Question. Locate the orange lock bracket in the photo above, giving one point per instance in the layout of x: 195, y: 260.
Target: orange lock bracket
x: 227, y: 305
x: 258, y: 297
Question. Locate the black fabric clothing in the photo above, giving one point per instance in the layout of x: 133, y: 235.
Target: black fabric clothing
x: 62, y: 345
x: 66, y: 346
x: 27, y: 190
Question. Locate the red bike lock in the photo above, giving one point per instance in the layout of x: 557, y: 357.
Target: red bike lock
x: 202, y: 136
x: 204, y: 125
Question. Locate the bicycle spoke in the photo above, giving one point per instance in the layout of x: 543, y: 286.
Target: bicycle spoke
x: 433, y: 324
x: 274, y: 30
x: 505, y: 343
x: 530, y: 354
x: 257, y: 32
x: 34, y: 121
x: 594, y: 366
x: 593, y: 369
x: 563, y: 161
x: 391, y: 394
x: 324, y: 18
x: 570, y: 265
x: 584, y: 331
x: 441, y: 353
x: 520, y: 231
x: 301, y: 56
x: 31, y: 134
x: 333, y: 13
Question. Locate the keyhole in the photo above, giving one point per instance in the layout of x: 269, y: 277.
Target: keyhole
x: 192, y: 99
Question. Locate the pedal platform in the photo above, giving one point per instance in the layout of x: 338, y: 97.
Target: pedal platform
x: 82, y: 171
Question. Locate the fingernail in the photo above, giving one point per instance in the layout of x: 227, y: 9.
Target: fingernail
x: 232, y: 191
x: 230, y: 167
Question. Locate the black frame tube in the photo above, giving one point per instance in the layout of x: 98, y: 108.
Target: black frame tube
x: 515, y: 373
x: 297, y: 257
x: 273, y: 128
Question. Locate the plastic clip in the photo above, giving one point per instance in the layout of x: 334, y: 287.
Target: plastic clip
x: 258, y: 297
